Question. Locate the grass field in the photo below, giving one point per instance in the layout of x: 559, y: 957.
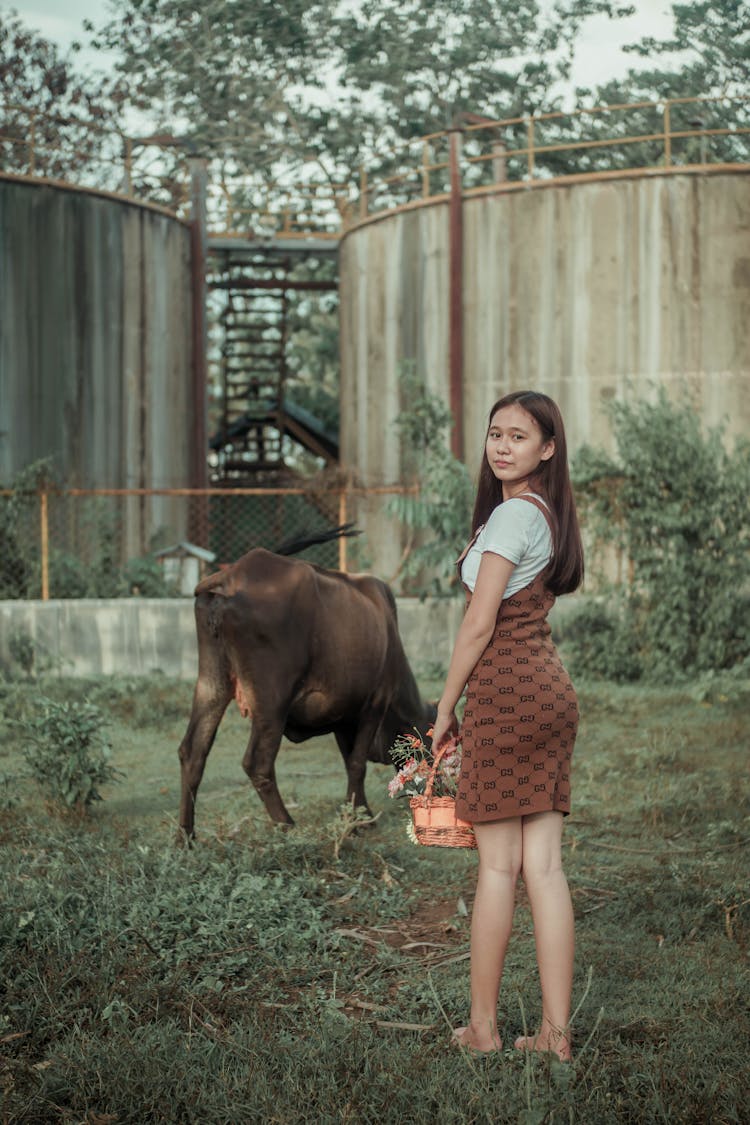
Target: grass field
x: 299, y: 976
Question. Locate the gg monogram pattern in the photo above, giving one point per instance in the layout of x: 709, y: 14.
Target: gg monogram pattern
x: 521, y: 718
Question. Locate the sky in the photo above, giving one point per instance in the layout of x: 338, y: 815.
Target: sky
x: 598, y: 58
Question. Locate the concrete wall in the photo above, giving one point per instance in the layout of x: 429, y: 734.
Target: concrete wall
x: 601, y: 290
x: 95, y: 343
x: 393, y: 303
x: 586, y: 290
x: 143, y: 636
x: 393, y: 299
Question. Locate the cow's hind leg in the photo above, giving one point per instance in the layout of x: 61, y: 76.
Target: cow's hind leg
x: 210, y: 701
x: 259, y: 765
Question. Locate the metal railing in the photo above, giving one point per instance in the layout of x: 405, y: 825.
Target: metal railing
x: 156, y: 170
x: 58, y: 543
x: 636, y: 136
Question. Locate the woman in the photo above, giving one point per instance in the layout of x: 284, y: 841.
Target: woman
x: 521, y: 716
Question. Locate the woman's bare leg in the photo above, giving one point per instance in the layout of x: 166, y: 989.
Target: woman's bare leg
x: 499, y: 844
x: 552, y: 911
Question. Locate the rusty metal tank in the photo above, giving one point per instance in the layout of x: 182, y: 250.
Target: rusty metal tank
x: 95, y: 344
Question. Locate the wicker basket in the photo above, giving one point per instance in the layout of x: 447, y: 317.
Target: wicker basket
x: 435, y: 822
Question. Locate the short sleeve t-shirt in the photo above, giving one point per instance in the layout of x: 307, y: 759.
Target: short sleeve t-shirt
x: 519, y: 532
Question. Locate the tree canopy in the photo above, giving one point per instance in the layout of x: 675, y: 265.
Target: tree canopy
x: 270, y: 86
x: 275, y: 89
x: 72, y: 112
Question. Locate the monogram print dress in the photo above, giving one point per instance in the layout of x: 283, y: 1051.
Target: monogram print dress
x: 521, y: 717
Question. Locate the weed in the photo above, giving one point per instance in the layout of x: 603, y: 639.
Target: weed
x: 66, y: 752
x: 350, y: 821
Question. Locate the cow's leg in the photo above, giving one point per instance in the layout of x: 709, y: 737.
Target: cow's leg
x: 355, y: 748
x: 259, y: 765
x: 210, y: 701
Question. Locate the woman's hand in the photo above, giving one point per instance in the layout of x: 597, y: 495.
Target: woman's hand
x: 444, y: 728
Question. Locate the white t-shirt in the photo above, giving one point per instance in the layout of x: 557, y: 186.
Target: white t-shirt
x: 519, y: 532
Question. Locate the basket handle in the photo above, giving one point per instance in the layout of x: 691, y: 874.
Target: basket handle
x: 449, y: 744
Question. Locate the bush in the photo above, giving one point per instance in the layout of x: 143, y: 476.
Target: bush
x: 67, y: 753
x: 677, y: 501
x: 440, y: 513
x: 599, y: 645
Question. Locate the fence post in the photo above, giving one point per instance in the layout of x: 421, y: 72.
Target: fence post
x: 667, y: 136
x: 32, y: 145
x: 128, y: 159
x: 530, y: 145
x: 455, y: 296
x: 342, y: 538
x: 499, y: 168
x: 44, y: 539
x: 426, y: 161
x: 198, y: 166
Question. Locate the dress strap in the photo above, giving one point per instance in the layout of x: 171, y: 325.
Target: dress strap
x: 463, y: 555
x: 468, y: 547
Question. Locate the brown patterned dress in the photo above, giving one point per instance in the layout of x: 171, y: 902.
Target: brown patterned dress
x: 521, y: 717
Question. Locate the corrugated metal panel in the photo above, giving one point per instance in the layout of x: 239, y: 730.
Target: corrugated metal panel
x: 95, y: 363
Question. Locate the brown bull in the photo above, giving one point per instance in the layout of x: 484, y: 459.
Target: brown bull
x: 306, y: 651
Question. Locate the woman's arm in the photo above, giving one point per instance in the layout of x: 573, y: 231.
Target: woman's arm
x: 474, y: 634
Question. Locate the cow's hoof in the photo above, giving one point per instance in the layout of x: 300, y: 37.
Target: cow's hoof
x: 185, y: 839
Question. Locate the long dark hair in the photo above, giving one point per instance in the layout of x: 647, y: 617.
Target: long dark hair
x: 551, y: 480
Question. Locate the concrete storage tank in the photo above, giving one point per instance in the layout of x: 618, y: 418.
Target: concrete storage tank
x: 587, y: 288
x: 95, y: 346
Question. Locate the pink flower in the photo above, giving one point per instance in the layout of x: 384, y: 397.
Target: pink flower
x: 395, y: 784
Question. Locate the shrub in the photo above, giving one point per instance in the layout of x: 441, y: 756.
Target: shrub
x: 677, y: 501
x: 599, y: 645
x: 67, y: 753
x: 145, y: 577
x: 17, y: 563
x: 440, y: 513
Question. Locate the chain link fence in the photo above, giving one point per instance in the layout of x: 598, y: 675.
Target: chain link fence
x: 105, y: 543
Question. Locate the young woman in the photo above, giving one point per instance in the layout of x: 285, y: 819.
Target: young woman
x: 520, y: 720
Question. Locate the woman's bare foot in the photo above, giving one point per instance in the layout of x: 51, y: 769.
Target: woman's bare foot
x: 556, y: 1041
x: 482, y: 1044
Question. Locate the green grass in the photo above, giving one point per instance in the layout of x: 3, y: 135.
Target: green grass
x: 259, y: 977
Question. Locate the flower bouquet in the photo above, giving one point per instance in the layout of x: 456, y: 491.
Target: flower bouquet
x: 430, y: 783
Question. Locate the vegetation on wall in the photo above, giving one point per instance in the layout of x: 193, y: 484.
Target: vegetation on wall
x: 676, y: 501
x: 438, y: 514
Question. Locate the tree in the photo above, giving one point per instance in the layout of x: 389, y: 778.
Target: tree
x: 54, y: 121
x: 713, y: 42
x: 271, y: 85
x: 707, y: 56
x: 224, y: 74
